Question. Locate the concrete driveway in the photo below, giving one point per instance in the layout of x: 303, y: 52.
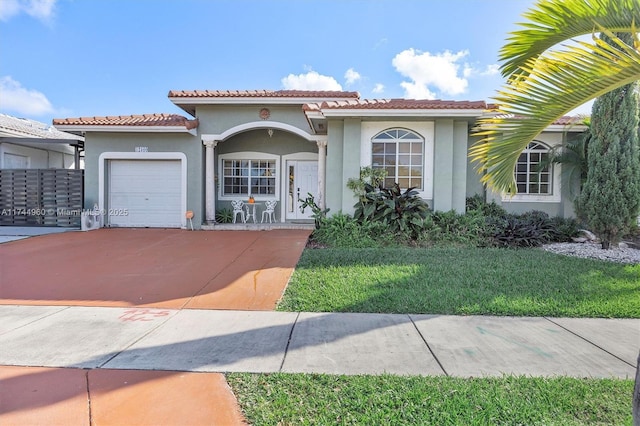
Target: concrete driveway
x: 160, y: 268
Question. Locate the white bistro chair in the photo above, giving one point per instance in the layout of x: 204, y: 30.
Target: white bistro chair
x: 238, y: 208
x: 270, y: 208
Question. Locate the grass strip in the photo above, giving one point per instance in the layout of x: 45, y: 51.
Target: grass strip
x: 314, y: 399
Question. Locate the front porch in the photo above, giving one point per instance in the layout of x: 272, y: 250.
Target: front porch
x: 304, y: 225
x: 283, y: 167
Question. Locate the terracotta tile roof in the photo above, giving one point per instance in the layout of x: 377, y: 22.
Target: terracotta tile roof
x: 23, y: 127
x: 261, y: 94
x: 396, y: 104
x: 164, y: 120
x: 568, y: 120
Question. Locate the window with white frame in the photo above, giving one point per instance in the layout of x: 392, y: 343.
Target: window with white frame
x: 533, y: 172
x: 401, y: 153
x: 15, y: 161
x: 249, y: 177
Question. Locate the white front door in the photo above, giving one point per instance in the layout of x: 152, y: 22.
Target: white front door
x: 303, y: 180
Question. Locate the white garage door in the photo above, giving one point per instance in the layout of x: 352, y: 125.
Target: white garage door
x: 145, y: 193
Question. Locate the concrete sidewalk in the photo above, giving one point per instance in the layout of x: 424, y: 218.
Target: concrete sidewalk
x: 336, y: 343
x: 115, y: 366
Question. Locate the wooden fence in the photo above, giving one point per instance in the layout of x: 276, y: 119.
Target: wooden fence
x: 41, y: 197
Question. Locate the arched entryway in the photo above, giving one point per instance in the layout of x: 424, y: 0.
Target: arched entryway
x: 268, y: 160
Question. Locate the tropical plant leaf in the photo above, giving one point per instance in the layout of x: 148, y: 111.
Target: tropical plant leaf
x: 553, y: 85
x: 553, y: 22
x: 369, y: 209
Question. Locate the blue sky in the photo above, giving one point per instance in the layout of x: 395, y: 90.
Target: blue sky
x: 71, y: 58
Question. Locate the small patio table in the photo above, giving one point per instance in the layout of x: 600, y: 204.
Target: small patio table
x: 251, y: 211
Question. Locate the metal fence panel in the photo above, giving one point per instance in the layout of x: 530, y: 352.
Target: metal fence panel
x: 41, y: 197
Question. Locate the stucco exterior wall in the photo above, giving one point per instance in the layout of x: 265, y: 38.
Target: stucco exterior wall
x: 215, y: 119
x: 334, y: 179
x: 281, y: 143
x: 450, y: 165
x: 474, y: 185
x: 459, y: 183
x: 445, y: 175
x: 37, y: 158
x: 351, y: 162
x: 191, y: 146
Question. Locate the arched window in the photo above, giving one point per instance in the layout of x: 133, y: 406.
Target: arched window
x: 401, y: 153
x: 533, y: 172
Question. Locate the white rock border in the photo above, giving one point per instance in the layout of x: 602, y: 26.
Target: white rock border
x: 593, y: 250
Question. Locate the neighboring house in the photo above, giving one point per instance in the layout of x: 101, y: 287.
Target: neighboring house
x: 29, y: 144
x: 148, y: 170
x: 41, y: 181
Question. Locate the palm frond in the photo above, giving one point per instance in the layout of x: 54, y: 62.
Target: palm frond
x: 572, y: 156
x: 554, y: 22
x: 552, y: 86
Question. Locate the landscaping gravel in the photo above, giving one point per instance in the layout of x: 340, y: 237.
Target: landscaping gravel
x: 592, y: 250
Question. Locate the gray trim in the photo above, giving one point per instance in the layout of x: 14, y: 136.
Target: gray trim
x: 17, y: 140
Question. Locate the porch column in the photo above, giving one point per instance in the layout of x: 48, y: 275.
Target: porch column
x: 322, y: 171
x: 209, y: 184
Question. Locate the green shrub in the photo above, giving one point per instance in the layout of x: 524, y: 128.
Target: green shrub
x: 385, y: 217
x: 224, y: 216
x: 317, y: 213
x: 564, y: 229
x: 478, y: 204
x: 531, y: 229
x: 368, y: 176
x: 451, y: 227
x: 402, y: 212
x: 342, y: 230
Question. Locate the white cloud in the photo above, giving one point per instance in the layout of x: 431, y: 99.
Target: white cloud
x: 310, y: 81
x: 8, y: 9
x: 428, y: 71
x: 380, y: 43
x: 489, y: 70
x: 21, y: 100
x: 378, y: 88
x: 39, y: 9
x: 351, y: 76
x: 492, y: 69
x: 417, y: 91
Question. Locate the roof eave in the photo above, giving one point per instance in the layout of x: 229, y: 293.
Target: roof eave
x: 4, y: 131
x: 359, y: 112
x: 127, y: 129
x: 246, y: 100
x: 578, y: 128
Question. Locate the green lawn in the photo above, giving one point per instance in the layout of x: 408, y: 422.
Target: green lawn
x: 309, y: 399
x: 448, y: 280
x: 462, y: 281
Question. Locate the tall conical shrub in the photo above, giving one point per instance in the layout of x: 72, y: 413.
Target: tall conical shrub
x: 610, y: 199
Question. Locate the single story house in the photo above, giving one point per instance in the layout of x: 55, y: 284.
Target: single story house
x: 148, y: 170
